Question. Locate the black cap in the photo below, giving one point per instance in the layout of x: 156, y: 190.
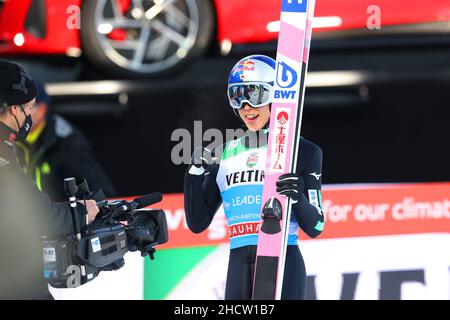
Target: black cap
x: 16, y: 85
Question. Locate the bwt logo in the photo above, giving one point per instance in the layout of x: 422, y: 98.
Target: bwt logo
x: 294, y: 5
x: 286, y: 78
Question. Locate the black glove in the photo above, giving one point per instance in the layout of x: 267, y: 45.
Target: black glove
x: 202, y: 160
x: 291, y: 185
x: 203, y: 157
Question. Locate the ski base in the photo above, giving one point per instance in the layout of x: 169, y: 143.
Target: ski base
x: 265, y: 282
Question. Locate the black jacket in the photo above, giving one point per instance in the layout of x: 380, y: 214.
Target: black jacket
x: 61, y: 151
x: 25, y: 216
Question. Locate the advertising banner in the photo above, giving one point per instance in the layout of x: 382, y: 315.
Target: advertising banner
x: 379, y: 242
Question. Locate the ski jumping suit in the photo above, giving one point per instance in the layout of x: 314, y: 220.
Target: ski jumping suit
x: 237, y: 183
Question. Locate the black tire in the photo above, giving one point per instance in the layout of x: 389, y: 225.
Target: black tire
x: 95, y: 53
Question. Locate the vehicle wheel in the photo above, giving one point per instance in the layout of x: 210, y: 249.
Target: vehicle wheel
x: 143, y: 38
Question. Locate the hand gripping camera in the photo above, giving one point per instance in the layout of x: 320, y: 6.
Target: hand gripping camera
x: 119, y: 227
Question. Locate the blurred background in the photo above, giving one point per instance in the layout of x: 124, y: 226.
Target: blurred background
x: 130, y: 72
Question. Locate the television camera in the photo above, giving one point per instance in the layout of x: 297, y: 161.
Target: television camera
x: 119, y: 227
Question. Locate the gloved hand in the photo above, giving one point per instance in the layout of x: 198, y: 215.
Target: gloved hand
x: 291, y: 185
x: 202, y: 159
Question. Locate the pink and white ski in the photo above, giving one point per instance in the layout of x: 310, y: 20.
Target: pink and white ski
x: 284, y: 136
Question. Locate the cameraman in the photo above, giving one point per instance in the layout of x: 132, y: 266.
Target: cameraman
x: 25, y: 213
x: 55, y: 150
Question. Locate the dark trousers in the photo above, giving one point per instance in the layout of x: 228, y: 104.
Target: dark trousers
x: 241, y: 268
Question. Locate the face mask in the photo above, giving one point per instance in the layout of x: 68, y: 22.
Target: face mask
x: 25, y: 129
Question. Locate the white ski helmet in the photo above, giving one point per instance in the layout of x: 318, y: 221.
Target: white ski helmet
x: 251, y: 81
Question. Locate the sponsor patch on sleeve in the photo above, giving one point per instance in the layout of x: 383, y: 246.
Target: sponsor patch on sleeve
x: 314, y: 199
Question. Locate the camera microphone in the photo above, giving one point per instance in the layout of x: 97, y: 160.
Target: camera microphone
x: 148, y: 200
x: 141, y: 202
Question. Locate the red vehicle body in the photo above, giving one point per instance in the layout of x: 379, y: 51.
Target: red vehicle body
x: 58, y: 37
x: 237, y: 20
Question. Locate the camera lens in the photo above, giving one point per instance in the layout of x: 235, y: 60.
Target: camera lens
x: 142, y: 232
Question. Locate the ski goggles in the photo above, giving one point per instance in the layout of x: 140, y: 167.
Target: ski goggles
x: 256, y: 94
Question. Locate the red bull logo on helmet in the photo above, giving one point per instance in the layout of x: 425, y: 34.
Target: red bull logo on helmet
x: 245, y: 66
x: 256, y: 68
x: 248, y: 65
